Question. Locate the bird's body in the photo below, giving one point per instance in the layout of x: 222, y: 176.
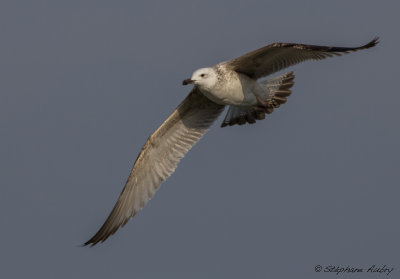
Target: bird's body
x: 231, y: 88
x: 232, y: 83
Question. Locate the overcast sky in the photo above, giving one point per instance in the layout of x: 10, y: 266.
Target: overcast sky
x: 84, y: 83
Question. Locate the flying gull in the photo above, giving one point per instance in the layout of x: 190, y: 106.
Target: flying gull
x: 231, y: 83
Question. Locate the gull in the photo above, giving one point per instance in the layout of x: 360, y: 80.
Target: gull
x: 231, y: 83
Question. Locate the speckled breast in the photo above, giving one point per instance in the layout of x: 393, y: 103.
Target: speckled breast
x: 234, y: 89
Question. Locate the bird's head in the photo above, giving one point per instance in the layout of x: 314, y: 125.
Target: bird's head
x: 205, y: 78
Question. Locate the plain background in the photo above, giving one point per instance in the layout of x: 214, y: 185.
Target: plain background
x: 84, y: 83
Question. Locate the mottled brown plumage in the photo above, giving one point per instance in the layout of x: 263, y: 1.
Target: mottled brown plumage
x: 192, y: 118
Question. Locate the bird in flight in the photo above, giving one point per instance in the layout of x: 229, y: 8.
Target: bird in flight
x: 231, y: 83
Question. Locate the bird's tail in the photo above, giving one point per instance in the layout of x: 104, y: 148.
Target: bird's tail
x: 278, y: 90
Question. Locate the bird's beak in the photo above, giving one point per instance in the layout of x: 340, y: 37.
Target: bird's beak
x: 187, y: 81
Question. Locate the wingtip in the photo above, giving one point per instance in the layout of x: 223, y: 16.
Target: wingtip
x: 88, y: 243
x: 372, y: 43
x: 96, y: 239
x: 80, y: 245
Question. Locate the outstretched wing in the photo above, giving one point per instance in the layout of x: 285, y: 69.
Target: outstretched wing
x: 275, y: 57
x: 159, y: 158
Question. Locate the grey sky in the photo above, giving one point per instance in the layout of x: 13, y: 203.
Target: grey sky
x: 84, y: 83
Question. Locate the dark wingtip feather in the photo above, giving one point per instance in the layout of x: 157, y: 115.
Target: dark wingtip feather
x: 91, y: 242
x: 372, y: 43
x: 88, y: 243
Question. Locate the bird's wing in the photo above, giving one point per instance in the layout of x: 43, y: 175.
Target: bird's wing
x: 159, y: 158
x: 275, y: 57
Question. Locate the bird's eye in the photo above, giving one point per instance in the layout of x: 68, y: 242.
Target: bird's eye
x: 203, y: 75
